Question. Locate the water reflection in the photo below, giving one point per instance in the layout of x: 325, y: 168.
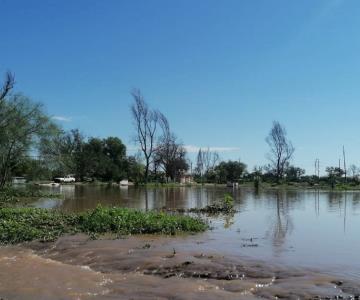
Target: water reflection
x: 283, y: 203
x: 309, y: 227
x: 281, y: 224
x: 317, y: 202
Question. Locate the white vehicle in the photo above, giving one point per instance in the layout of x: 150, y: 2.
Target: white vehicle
x: 66, y: 179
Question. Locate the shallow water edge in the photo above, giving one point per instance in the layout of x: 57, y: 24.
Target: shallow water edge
x: 154, y: 267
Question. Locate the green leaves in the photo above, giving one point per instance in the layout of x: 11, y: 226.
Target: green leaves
x: 26, y: 224
x: 22, y: 124
x: 128, y: 221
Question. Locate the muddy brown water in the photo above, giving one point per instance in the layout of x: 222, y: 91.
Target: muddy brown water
x: 284, y: 244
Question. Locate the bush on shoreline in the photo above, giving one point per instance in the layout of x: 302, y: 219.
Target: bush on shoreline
x: 26, y: 224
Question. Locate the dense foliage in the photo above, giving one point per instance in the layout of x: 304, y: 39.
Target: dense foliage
x: 26, y: 224
x: 94, y: 158
x: 22, y: 124
x: 224, y: 172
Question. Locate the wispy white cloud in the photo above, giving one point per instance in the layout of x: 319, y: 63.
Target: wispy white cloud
x: 61, y: 118
x: 194, y: 149
x: 132, y: 148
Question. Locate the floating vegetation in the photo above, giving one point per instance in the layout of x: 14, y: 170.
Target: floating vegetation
x: 225, y: 206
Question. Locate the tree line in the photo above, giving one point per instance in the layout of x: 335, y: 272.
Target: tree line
x: 32, y: 144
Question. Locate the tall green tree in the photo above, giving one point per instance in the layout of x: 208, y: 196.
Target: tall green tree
x: 105, y: 159
x: 62, y: 152
x: 135, y: 169
x: 229, y: 171
x: 294, y: 173
x: 23, y: 123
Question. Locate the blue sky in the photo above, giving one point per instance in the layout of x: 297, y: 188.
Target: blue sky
x: 221, y: 71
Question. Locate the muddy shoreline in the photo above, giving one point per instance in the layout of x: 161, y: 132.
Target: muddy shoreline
x: 152, y: 267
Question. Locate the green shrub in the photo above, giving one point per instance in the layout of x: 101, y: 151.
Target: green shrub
x: 128, y: 221
x: 228, y: 201
x: 226, y: 206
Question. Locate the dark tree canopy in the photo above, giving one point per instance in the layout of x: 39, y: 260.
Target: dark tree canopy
x: 229, y: 171
x: 294, y: 173
x: 335, y: 172
x: 170, y: 155
x: 94, y: 158
x: 105, y: 159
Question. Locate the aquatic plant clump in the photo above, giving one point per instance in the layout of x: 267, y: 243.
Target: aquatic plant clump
x: 26, y: 224
x: 225, y: 206
x: 128, y: 221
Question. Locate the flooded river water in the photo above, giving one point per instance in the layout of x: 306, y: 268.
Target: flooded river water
x: 283, y: 237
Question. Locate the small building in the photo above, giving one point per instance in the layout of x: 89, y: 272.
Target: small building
x: 18, y: 180
x: 186, y: 179
x: 125, y: 182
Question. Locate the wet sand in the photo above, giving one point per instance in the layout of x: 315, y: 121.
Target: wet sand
x: 149, y: 267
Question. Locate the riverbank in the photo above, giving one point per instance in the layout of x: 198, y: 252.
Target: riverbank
x: 250, y: 184
x: 153, y: 267
x: 342, y: 186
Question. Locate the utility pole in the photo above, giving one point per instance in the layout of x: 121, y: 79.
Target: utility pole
x: 317, y: 168
x: 344, y: 163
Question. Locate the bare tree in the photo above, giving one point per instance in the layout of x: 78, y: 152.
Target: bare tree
x: 206, y: 160
x: 354, y: 170
x: 210, y: 159
x: 170, y: 154
x: 199, y: 169
x: 146, y: 122
x: 281, y: 149
x: 8, y: 85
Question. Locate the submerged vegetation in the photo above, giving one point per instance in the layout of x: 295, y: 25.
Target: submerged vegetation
x: 26, y: 224
x: 10, y: 196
